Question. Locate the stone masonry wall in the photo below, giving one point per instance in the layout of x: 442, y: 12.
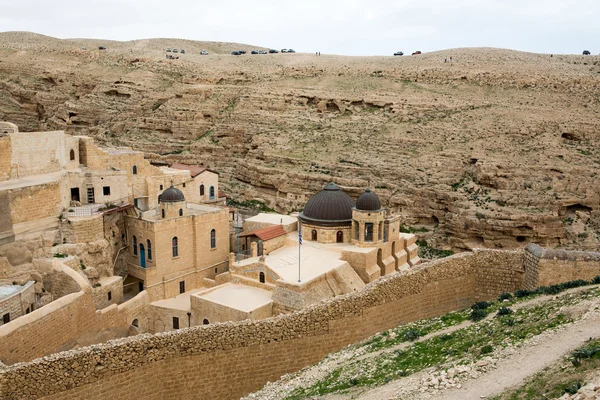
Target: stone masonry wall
x: 5, y: 154
x: 32, y: 203
x: 231, y: 359
x: 17, y: 304
x: 556, y: 266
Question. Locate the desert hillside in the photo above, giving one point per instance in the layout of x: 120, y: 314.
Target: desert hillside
x: 497, y: 148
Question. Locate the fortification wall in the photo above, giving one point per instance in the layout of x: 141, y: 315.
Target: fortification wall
x: 231, y: 359
x: 556, y: 266
x: 33, y: 203
x: 5, y: 155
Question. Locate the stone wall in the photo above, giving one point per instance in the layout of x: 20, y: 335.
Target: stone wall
x: 556, y: 266
x: 35, y: 153
x: 112, y: 285
x: 83, y: 229
x: 231, y: 359
x: 35, y: 202
x: 18, y: 303
x: 5, y: 154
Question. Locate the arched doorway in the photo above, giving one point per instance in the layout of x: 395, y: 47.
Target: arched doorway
x: 135, y: 323
x: 339, y: 237
x: 142, y: 256
x: 313, y: 235
x: 205, y: 322
x: 380, y: 261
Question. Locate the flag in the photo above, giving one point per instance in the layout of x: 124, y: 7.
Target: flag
x: 300, y: 235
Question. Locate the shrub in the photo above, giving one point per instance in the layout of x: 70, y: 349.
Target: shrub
x: 82, y: 265
x: 505, y: 296
x: 60, y: 255
x: 573, y: 387
x: 477, y: 315
x: 504, y: 311
x: 412, y: 335
x: 481, y: 305
x: 487, y: 349
x: 523, y: 293
x: 596, y: 280
x: 509, y: 321
x: 97, y: 285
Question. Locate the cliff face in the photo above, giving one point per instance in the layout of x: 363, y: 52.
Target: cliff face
x: 497, y: 149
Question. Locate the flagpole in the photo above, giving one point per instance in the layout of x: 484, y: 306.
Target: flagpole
x: 299, y: 246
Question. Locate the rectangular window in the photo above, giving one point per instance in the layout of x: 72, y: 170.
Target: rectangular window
x: 216, y: 270
x: 175, y: 322
x: 27, y: 311
x: 106, y: 190
x: 6, y: 318
x: 109, y: 296
x: 161, y: 187
x: 182, y: 287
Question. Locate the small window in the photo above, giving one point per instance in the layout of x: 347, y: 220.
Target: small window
x: 183, y: 184
x: 162, y: 212
x: 109, y: 296
x: 261, y: 277
x: 106, y: 190
x: 201, y: 190
x: 27, y: 311
x: 175, y: 322
x: 175, y: 246
x: 314, y: 235
x: 216, y: 270
x: 134, y: 246
x: 181, y: 212
x: 213, y: 239
x: 212, y: 192
x: 181, y: 287
x: 134, y: 169
x: 135, y: 203
x: 205, y: 322
x: 6, y: 318
x: 72, y: 155
x: 135, y: 323
x: 161, y: 187
x: 149, y: 246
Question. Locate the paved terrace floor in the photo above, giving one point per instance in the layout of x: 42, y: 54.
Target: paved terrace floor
x: 179, y: 302
x: 32, y: 180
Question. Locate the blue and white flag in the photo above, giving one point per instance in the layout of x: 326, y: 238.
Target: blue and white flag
x: 300, y: 235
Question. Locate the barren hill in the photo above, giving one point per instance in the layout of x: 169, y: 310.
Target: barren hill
x: 496, y: 148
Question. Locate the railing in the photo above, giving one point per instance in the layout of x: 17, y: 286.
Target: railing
x: 90, y: 209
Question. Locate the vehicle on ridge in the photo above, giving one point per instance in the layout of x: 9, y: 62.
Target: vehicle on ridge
x: 284, y: 50
x: 175, y: 51
x: 235, y: 53
x: 204, y: 53
x: 291, y: 51
x: 254, y: 52
x: 398, y: 53
x: 273, y: 51
x: 168, y: 49
x: 101, y: 48
x: 586, y: 53
x: 416, y: 53
x: 182, y: 51
x: 262, y: 52
x: 242, y: 51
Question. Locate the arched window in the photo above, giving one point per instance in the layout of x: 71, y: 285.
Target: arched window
x: 314, y: 235
x: 72, y: 155
x: 212, y: 192
x: 213, y: 239
x: 162, y: 212
x: 175, y: 247
x: 135, y: 169
x: 134, y: 246
x: 201, y: 190
x: 339, y: 237
x: 181, y: 212
x: 261, y: 277
x: 149, y: 246
x: 205, y: 322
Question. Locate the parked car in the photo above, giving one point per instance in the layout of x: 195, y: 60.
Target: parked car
x: 416, y: 53
x: 84, y: 48
x: 398, y: 53
x: 254, y: 52
x: 101, y: 48
x: 175, y: 51
x: 182, y: 51
x: 586, y: 53
x: 291, y: 51
x: 204, y: 53
x: 262, y: 52
x: 273, y: 51
x: 242, y: 51
x: 168, y: 49
x: 235, y: 53
x: 284, y: 50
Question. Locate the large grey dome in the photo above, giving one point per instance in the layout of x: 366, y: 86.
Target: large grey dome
x: 172, y: 195
x: 330, y: 206
x: 368, y: 201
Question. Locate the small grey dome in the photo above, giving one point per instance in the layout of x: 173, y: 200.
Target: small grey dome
x: 172, y: 195
x: 330, y: 205
x: 368, y: 201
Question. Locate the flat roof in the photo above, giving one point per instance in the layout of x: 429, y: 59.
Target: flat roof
x: 8, y: 290
x: 32, y: 180
x: 241, y: 297
x: 179, y: 302
x: 272, y: 218
x: 315, y: 259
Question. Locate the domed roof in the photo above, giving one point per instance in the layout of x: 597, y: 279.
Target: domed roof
x: 330, y: 205
x: 172, y: 195
x: 368, y: 201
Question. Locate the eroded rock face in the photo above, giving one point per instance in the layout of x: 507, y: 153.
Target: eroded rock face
x: 497, y: 149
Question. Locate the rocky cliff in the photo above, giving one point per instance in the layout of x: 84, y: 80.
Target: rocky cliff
x: 497, y: 148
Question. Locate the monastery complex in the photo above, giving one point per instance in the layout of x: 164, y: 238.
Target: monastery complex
x: 158, y: 247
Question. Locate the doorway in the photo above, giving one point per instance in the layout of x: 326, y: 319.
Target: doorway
x: 141, y: 286
x: 380, y: 262
x: 90, y: 196
x: 142, y: 256
x: 339, y: 237
x: 75, y: 195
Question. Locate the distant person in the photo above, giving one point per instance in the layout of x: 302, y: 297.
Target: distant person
x: 450, y: 59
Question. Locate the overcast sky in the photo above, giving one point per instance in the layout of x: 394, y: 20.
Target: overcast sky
x: 350, y: 27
